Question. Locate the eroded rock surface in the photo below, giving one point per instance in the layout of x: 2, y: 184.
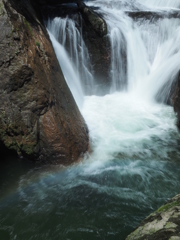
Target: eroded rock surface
x: 164, y: 224
x: 39, y: 118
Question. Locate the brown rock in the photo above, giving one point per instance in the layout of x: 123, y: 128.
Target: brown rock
x: 38, y: 115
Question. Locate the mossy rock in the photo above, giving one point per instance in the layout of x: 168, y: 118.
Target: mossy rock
x: 163, y: 224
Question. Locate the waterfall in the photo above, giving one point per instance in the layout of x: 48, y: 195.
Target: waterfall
x: 149, y: 47
x: 145, y: 53
x: 134, y: 163
x: 70, y: 74
x: 145, y: 62
x: 70, y: 38
x: 161, y: 3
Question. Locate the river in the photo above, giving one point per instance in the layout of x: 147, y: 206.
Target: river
x: 135, y: 160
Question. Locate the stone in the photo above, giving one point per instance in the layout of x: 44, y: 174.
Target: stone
x: 39, y: 118
x: 162, y: 224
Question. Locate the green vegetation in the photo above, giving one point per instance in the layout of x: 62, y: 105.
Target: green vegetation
x: 1, y: 9
x: 37, y: 44
x: 28, y: 26
x: 168, y: 206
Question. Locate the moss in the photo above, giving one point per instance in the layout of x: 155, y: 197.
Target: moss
x: 2, y: 114
x: 11, y: 136
x: 28, y: 26
x: 28, y: 149
x: 168, y: 206
x: 1, y: 9
x: 2, y: 133
x: 11, y: 144
x: 37, y: 44
x: 170, y: 225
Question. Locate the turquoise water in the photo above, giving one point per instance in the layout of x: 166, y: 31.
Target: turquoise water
x: 133, y: 169
x: 134, y: 164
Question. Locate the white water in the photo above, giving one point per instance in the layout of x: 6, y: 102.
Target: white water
x: 153, y: 49
x: 161, y: 3
x: 68, y: 35
x: 135, y: 160
x: 128, y: 122
x: 69, y: 71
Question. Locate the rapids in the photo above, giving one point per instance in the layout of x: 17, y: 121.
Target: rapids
x: 135, y: 160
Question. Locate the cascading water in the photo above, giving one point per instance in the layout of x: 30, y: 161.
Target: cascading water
x: 161, y: 3
x: 68, y: 35
x: 152, y: 47
x: 69, y: 71
x: 134, y: 164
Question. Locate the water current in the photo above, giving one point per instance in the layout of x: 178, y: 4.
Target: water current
x: 135, y: 160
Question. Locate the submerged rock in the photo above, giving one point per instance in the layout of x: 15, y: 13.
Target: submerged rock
x: 164, y: 224
x: 39, y: 118
x: 153, y: 14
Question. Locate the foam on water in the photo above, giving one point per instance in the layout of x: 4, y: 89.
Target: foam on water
x: 134, y: 164
x: 122, y: 124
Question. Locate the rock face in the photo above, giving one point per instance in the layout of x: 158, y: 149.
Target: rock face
x: 52, y: 2
x: 39, y: 118
x: 176, y: 101
x: 164, y: 224
x: 94, y: 30
x: 97, y: 22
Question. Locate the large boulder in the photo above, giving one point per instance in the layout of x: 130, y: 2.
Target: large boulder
x: 164, y: 224
x: 39, y: 118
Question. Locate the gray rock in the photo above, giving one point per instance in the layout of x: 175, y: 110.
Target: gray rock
x: 164, y: 224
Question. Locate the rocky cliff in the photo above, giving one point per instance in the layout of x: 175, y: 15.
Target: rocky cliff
x: 39, y: 118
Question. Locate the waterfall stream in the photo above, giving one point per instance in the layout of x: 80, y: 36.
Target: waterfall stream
x: 135, y: 160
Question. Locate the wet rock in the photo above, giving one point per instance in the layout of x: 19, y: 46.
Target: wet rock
x: 164, y: 224
x: 176, y: 100
x: 96, y: 21
x: 99, y: 49
x: 54, y: 2
x: 153, y: 14
x: 94, y: 30
x: 39, y: 118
